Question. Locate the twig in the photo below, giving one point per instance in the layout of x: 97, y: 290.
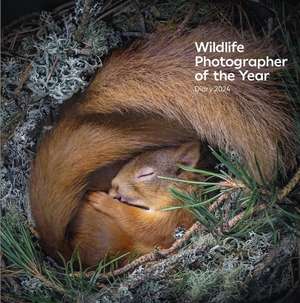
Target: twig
x: 282, y: 194
x: 114, y: 10
x: 20, y: 20
x: 290, y: 186
x: 232, y: 184
x: 187, y: 18
x: 13, y: 41
x: 7, y: 298
x: 219, y: 202
x: 52, y: 69
x: 106, y: 5
x: 141, y: 17
x: 83, y: 20
x: 63, y: 7
x: 14, y: 55
x: 17, y: 34
x: 231, y: 223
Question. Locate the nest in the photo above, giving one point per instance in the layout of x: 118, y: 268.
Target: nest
x: 44, y: 64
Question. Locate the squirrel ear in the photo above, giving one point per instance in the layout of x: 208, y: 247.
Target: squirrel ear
x: 188, y: 154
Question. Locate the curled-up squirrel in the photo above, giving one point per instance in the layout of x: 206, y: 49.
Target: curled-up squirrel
x: 131, y: 217
x: 144, y: 98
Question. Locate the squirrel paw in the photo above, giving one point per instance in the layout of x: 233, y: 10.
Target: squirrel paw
x: 101, y: 201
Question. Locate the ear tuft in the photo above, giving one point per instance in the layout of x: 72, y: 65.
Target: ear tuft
x: 188, y: 154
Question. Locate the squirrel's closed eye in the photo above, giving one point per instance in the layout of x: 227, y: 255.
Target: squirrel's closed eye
x: 146, y: 173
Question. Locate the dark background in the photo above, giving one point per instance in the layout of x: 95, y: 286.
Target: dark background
x: 14, y: 9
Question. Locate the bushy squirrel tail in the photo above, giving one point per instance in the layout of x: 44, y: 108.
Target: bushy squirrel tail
x: 252, y: 118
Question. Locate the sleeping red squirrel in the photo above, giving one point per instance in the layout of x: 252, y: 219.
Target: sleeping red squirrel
x: 144, y: 98
x: 131, y: 217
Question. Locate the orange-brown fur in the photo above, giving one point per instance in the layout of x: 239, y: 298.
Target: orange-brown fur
x: 142, y: 98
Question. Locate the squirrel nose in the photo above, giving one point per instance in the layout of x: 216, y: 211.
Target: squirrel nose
x: 117, y: 196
